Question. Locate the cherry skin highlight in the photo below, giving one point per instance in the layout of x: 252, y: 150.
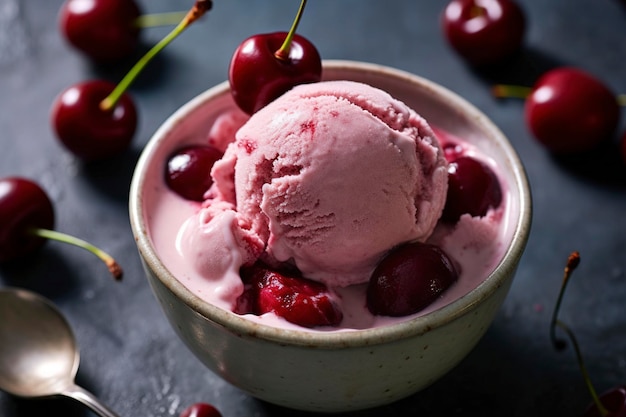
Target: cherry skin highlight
x: 104, y: 30
x: 257, y: 76
x: 484, y: 32
x: 570, y: 111
x: 408, y: 279
x: 88, y: 131
x: 296, y: 299
x: 473, y: 188
x: 201, y: 410
x: 23, y: 205
x: 188, y: 171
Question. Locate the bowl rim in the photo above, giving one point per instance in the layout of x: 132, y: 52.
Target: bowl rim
x: 344, y: 338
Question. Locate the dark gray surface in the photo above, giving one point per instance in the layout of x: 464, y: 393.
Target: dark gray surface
x: 131, y: 358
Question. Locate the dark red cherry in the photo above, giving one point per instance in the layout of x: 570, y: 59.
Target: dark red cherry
x: 613, y: 400
x: 473, y: 188
x: 409, y: 279
x: 188, y: 170
x: 571, y: 111
x: 201, y: 410
x: 87, y: 130
x: 104, y: 30
x: 257, y: 76
x: 296, y: 299
x: 23, y: 205
x: 484, y: 32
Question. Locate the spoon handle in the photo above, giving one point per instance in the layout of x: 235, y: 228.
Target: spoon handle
x: 88, y: 399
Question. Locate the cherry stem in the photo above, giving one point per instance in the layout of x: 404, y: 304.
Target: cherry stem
x: 159, y: 19
x: 583, y: 369
x: 283, y: 52
x: 510, y: 91
x: 197, y: 11
x: 572, y: 263
x: 112, y: 265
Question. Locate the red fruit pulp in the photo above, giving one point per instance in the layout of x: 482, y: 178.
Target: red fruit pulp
x: 104, y: 30
x: 23, y: 205
x: 298, y: 300
x: 88, y: 131
x: 571, y: 111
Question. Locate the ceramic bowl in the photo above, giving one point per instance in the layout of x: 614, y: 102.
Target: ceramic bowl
x: 334, y: 371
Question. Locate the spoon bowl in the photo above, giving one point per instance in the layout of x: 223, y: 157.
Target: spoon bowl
x: 39, y: 356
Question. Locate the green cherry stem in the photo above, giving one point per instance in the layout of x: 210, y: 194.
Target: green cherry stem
x: 572, y: 262
x: 283, y: 52
x: 520, y: 91
x: 159, y: 19
x: 111, y: 264
x: 510, y: 91
x: 198, y: 10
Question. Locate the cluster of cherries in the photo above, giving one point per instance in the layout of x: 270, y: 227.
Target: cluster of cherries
x: 567, y: 109
x: 408, y: 279
x: 93, y: 119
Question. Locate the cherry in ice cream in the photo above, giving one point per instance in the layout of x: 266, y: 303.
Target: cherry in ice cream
x: 188, y: 170
x: 201, y: 410
x: 265, y: 66
x: 570, y: 110
x: 104, y: 30
x: 484, y: 32
x: 473, y: 188
x: 96, y: 119
x: 296, y: 299
x: 409, y: 278
x: 27, y: 220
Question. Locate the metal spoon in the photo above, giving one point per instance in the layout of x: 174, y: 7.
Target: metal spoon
x: 38, y: 353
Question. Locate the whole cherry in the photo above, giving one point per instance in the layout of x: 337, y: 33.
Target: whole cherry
x: 27, y: 221
x: 86, y: 127
x: 409, y: 278
x: 96, y: 119
x: 484, y: 32
x: 188, y: 170
x: 288, y: 295
x: 104, y: 30
x: 201, y: 410
x: 571, y: 111
x: 473, y: 188
x: 265, y: 66
x: 23, y: 205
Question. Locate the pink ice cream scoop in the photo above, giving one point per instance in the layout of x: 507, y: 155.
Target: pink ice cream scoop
x: 329, y: 176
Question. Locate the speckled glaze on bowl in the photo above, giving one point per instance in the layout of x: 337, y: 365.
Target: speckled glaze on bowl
x: 335, y: 371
